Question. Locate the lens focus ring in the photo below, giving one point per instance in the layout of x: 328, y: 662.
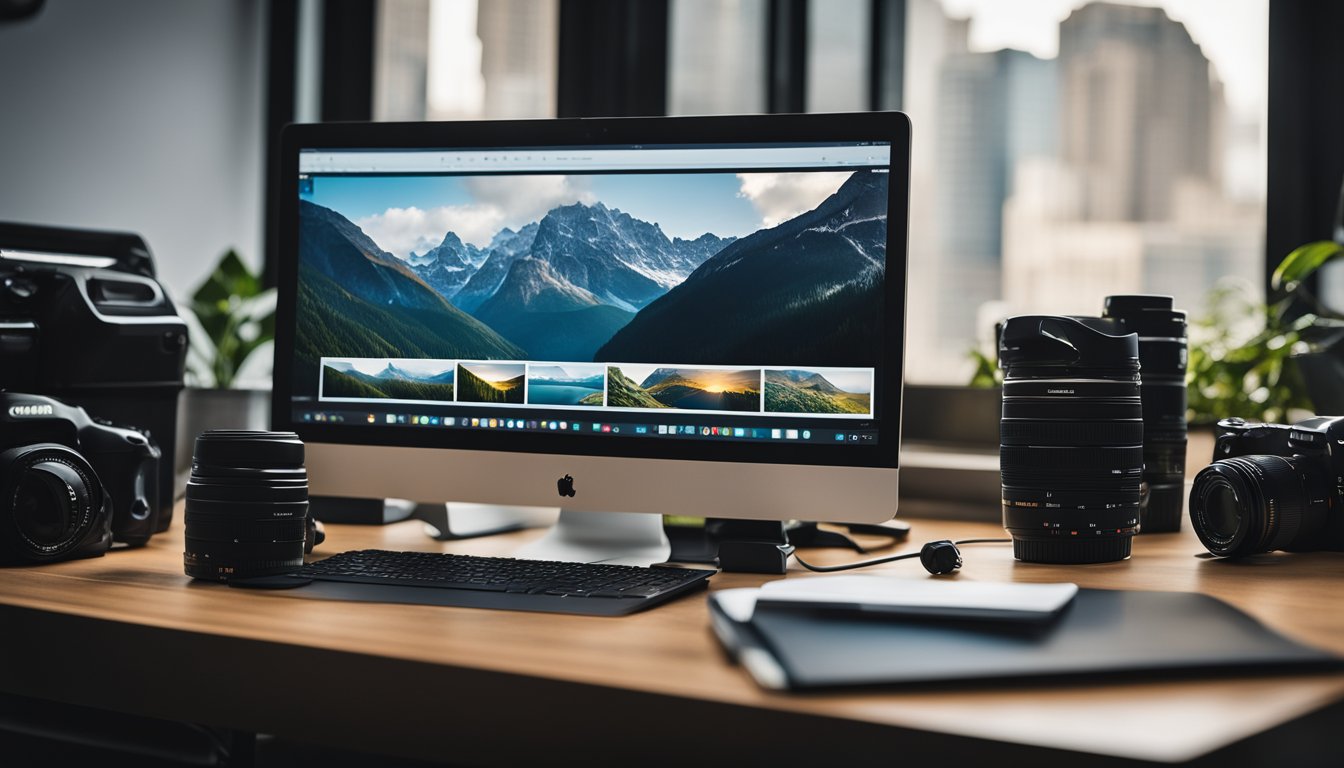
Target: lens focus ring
x: 1282, y: 494
x: 1046, y: 432
x: 1251, y: 504
x: 1106, y: 459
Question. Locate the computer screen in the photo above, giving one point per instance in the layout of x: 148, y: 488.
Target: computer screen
x: 720, y: 298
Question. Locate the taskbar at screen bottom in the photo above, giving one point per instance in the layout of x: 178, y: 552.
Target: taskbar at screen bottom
x: 864, y: 434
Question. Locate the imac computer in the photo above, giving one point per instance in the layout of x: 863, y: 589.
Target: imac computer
x: 622, y: 318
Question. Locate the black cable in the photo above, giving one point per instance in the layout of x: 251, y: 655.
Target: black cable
x: 880, y: 560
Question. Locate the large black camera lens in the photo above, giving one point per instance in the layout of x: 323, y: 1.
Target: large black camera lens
x: 1163, y: 355
x: 247, y: 505
x: 1071, y: 439
x: 51, y: 499
x: 1252, y: 504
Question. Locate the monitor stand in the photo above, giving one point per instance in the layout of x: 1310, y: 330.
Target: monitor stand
x: 615, y: 538
x: 460, y: 520
x: 443, y: 522
x: 619, y: 538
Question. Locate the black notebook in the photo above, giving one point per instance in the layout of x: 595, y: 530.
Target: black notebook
x: 1102, y: 632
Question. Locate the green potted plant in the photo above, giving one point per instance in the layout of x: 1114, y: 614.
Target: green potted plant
x: 1241, y: 358
x: 231, y: 326
x: 1288, y: 362
x: 1320, y: 355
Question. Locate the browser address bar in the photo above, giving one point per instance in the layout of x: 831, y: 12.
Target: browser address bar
x: 513, y: 161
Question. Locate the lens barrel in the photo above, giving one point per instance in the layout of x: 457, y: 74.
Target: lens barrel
x: 52, y: 500
x: 1163, y: 354
x: 247, y: 505
x: 1252, y: 504
x: 1071, y: 438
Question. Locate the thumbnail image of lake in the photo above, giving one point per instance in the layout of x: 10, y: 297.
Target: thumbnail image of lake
x: 567, y: 384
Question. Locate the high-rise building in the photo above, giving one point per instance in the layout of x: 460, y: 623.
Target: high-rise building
x: 1139, y: 110
x: 519, y: 49
x: 994, y: 110
x: 930, y: 36
x: 712, y: 42
x: 403, y: 60
x: 1134, y: 202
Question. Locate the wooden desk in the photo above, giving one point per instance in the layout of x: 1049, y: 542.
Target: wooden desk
x: 129, y: 632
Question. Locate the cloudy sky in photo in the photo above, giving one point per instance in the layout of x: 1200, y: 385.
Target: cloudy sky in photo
x: 855, y: 380
x: 376, y: 365
x: 411, y: 214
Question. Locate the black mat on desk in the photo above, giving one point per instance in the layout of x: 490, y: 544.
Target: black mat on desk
x: 1102, y: 632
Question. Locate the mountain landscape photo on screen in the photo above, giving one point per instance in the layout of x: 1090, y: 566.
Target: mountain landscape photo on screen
x: 741, y: 271
x: 491, y: 382
x: 377, y: 378
x: 565, y: 384
x: 642, y: 386
x: 823, y: 390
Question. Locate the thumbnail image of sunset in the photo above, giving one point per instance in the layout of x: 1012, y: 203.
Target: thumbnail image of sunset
x: 706, y: 389
x: 490, y: 382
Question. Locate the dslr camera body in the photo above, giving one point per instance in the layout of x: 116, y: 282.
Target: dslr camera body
x: 71, y: 485
x: 83, y: 319
x: 1272, y: 487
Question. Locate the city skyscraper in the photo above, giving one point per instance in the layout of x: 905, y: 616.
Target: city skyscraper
x: 1134, y: 201
x: 712, y: 41
x: 930, y: 36
x: 403, y: 60
x: 1140, y: 111
x: 519, y: 49
x: 994, y: 110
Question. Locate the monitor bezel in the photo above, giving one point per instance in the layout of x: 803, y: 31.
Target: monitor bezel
x: 893, y: 127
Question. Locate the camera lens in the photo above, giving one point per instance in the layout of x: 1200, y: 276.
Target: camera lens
x: 1071, y: 439
x: 52, y: 497
x: 43, y: 504
x: 1252, y: 504
x: 1221, y: 511
x: 247, y: 505
x: 1163, y: 355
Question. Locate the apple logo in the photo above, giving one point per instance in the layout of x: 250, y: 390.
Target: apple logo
x: 565, y: 485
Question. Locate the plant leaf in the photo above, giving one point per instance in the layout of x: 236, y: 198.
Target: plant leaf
x: 231, y: 304
x: 1304, y: 260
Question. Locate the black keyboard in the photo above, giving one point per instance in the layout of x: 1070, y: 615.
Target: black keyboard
x: 500, y: 582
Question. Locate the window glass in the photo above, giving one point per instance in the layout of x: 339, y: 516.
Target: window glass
x: 1067, y: 150
x: 716, y: 57
x: 838, y: 44
x: 464, y: 59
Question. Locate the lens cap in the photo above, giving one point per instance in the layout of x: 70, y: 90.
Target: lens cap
x: 1055, y: 341
x: 1147, y: 315
x: 248, y: 449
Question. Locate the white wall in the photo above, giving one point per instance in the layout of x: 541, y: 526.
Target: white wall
x: 140, y: 115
